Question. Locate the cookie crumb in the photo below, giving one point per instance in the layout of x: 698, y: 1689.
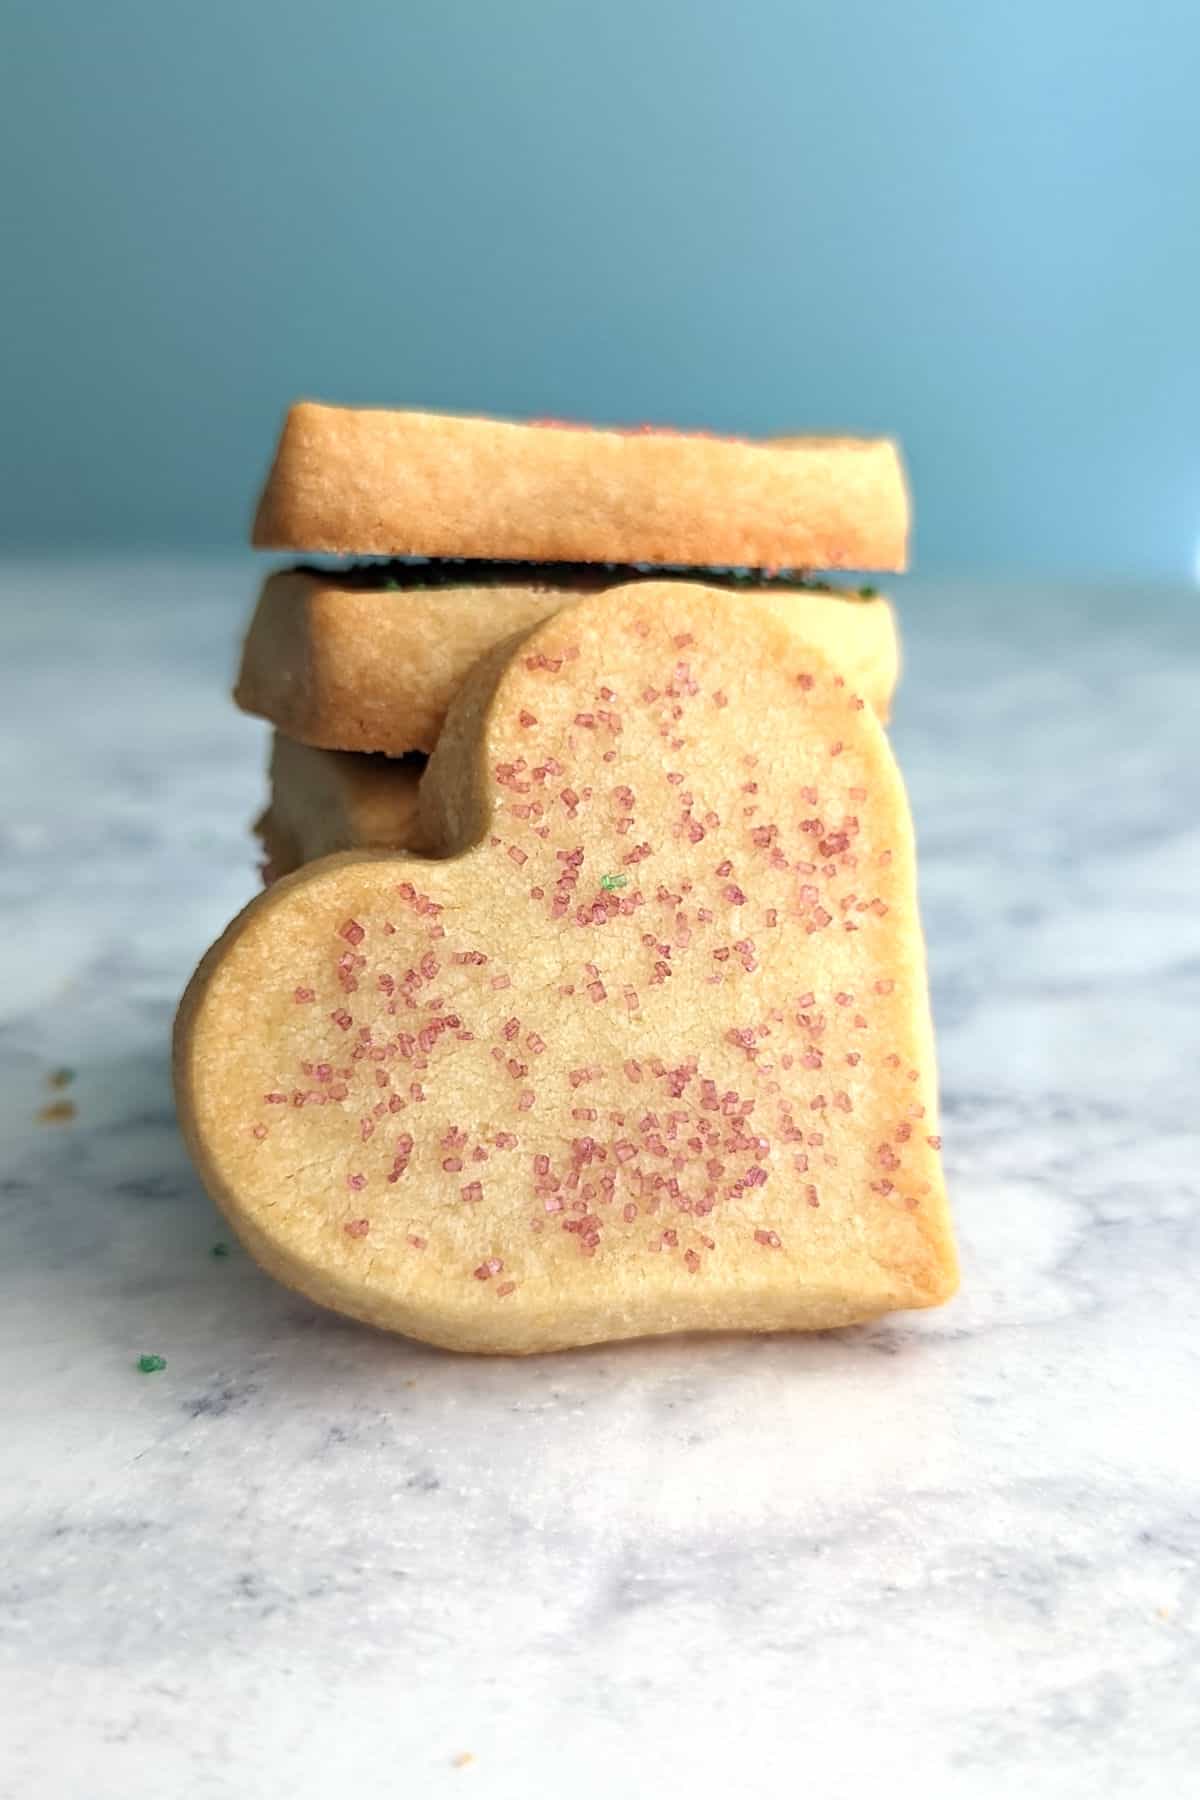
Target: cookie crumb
x: 463, y: 1759
x: 150, y: 1365
x: 57, y: 1113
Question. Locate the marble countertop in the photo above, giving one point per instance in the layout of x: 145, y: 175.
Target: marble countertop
x: 953, y: 1554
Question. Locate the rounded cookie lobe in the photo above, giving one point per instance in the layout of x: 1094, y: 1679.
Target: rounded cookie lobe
x: 645, y: 1048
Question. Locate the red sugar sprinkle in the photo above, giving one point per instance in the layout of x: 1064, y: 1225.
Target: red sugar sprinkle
x: 342, y: 1019
x: 357, y: 1228
x: 356, y: 1182
x: 352, y: 931
x: 505, y: 1289
x: 769, y: 1238
x: 418, y: 1243
x: 302, y: 994
x: 452, y: 1164
x: 526, y: 1100
x: 517, y: 855
x: 884, y: 987
x: 472, y: 1192
x: 526, y: 717
x: 935, y: 1143
x: 720, y: 699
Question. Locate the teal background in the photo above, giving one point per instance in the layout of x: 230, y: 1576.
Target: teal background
x: 973, y: 224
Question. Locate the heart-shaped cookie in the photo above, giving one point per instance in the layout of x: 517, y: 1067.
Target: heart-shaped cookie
x: 646, y: 1049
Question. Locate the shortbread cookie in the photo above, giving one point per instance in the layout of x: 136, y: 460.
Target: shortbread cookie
x: 647, y: 1050
x: 361, y: 483
x: 335, y: 663
x: 326, y: 800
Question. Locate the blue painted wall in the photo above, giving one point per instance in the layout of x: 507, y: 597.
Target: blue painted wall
x: 973, y: 223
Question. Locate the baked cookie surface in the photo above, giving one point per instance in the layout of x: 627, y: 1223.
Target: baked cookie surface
x: 343, y: 666
x: 360, y: 482
x: 323, y: 801
x: 646, y: 1048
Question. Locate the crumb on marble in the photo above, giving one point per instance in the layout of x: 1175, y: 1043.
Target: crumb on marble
x: 150, y: 1365
x: 58, y: 1112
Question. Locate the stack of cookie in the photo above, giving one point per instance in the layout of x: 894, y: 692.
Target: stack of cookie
x: 610, y: 1017
x: 456, y: 534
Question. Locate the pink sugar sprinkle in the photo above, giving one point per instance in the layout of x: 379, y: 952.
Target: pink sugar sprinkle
x: 505, y: 1289
x: 356, y: 1182
x: 553, y: 1203
x: 597, y: 991
x: 517, y: 855
x: 501, y: 981
x: 302, y: 994
x: 504, y: 1140
x: 472, y: 1192
x: 418, y: 1243
x: 526, y: 717
x: 259, y: 1132
x: 734, y: 895
x: 352, y: 931
x: 342, y: 1019
x: 935, y: 1143
x: 452, y: 1164
x: 357, y: 1228
x: 525, y: 1100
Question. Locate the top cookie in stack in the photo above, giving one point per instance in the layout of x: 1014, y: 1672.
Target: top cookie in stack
x: 452, y: 534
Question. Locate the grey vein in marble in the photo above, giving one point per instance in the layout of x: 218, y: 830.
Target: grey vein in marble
x: 954, y: 1554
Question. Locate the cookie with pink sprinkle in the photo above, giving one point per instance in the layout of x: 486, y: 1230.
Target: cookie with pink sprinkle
x: 643, y: 1044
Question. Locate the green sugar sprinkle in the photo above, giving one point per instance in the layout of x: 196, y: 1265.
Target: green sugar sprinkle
x: 868, y: 593
x: 150, y: 1365
x: 220, y: 1250
x: 609, y: 882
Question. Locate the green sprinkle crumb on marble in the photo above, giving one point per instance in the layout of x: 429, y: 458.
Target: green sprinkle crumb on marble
x: 150, y: 1365
x: 610, y: 882
x: 61, y: 1078
x: 868, y: 593
x: 219, y: 1250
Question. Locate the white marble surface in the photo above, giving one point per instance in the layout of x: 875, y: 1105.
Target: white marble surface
x: 951, y: 1555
